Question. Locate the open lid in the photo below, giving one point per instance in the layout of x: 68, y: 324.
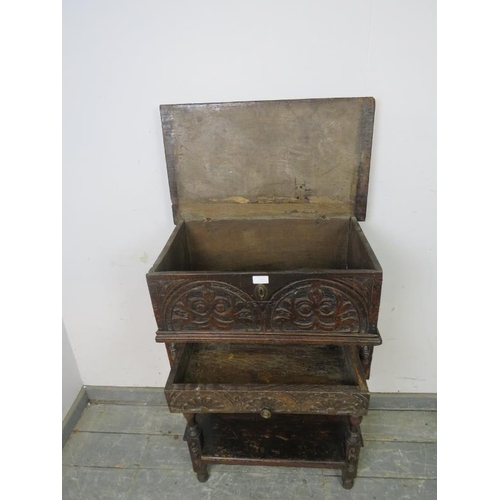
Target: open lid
x: 300, y: 158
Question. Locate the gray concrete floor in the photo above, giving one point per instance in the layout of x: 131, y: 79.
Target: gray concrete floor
x: 135, y: 451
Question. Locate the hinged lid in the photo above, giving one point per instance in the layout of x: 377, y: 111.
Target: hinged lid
x: 300, y: 158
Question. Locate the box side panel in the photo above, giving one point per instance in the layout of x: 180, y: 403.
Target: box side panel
x: 360, y: 254
x: 175, y: 253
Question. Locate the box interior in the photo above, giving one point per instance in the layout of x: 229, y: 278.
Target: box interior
x: 266, y: 245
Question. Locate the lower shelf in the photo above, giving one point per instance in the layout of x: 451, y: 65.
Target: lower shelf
x: 282, y: 440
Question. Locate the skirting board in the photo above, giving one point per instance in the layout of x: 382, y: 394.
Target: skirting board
x: 154, y: 396
x: 74, y: 414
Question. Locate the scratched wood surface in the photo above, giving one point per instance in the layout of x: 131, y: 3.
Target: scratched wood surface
x: 135, y: 451
x: 269, y: 158
x: 257, y: 364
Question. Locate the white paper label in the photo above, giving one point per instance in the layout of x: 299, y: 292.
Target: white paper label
x: 260, y: 279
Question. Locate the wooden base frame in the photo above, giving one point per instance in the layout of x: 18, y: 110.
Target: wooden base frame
x: 281, y: 440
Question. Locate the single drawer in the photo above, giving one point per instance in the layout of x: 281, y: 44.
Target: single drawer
x: 268, y: 379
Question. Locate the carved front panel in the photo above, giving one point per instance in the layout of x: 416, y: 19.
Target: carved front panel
x: 341, y: 304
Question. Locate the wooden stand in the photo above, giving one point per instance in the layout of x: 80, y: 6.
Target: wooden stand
x: 285, y: 441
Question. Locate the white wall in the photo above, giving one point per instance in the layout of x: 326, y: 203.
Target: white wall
x: 122, y: 59
x: 71, y: 379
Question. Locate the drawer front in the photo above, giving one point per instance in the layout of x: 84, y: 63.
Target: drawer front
x: 267, y: 402
x: 320, y: 305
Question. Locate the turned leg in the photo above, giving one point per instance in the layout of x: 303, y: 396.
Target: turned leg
x: 194, y: 439
x: 173, y: 352
x: 352, y: 449
x: 366, y: 354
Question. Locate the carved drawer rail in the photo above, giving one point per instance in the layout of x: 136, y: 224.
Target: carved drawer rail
x: 254, y: 399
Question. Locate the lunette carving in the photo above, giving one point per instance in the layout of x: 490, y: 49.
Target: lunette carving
x: 211, y: 305
x: 324, y: 305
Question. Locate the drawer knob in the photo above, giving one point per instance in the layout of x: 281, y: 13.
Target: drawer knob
x: 265, y: 413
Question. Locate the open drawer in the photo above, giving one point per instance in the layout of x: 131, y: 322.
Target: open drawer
x: 268, y: 379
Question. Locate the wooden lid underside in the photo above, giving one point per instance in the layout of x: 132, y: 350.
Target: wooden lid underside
x: 269, y: 159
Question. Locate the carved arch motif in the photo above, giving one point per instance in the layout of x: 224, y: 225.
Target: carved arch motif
x: 212, y: 305
x: 318, y: 305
